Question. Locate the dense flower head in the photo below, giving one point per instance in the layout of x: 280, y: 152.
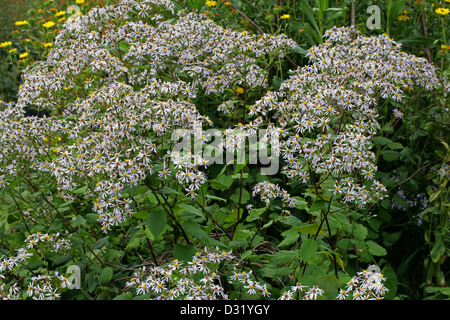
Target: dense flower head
x: 200, y: 279
x: 192, y: 280
x: 366, y: 285
x: 268, y: 191
x: 327, y: 110
x: 118, y: 112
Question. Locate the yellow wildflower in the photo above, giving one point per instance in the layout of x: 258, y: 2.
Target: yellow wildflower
x: 211, y: 3
x: 442, y: 11
x: 13, y: 50
x: 60, y: 13
x: 79, y: 2
x: 47, y: 44
x: 5, y: 44
x: 23, y: 55
x: 239, y: 90
x: 403, y: 17
x: 21, y: 23
x: 48, y: 24
x: 285, y: 16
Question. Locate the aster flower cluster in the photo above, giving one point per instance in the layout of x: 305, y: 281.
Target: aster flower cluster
x: 366, y: 285
x: 250, y: 285
x: 10, y: 263
x: 8, y: 292
x: 268, y: 191
x: 327, y: 111
x: 123, y: 78
x: 193, y: 280
x: 40, y: 287
x: 302, y: 292
x: 46, y: 287
x: 201, y: 279
x: 54, y: 241
x: 444, y: 170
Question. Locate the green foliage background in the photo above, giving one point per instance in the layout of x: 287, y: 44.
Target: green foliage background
x: 408, y: 241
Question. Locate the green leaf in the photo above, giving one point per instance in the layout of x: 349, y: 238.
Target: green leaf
x: 323, y: 6
x: 215, y: 198
x: 222, y: 182
x: 338, y: 12
x: 285, y: 256
x: 233, y: 217
x: 314, y: 36
x: 308, y: 248
x: 122, y: 46
x: 301, y: 203
x: 80, y: 190
x: 195, y: 230
x: 318, y: 205
x: 307, y: 10
x: 271, y: 271
x: 78, y: 221
x: 328, y: 283
x: 106, y: 275
x: 156, y: 221
x: 245, y: 196
x: 61, y: 259
x: 92, y: 282
x: 435, y: 253
x: 136, y: 239
x: 419, y: 41
x: 360, y: 232
x: 391, y: 283
x: 435, y: 195
x: 184, y: 253
x: 395, y: 145
x: 395, y: 8
x: 143, y: 214
x: 381, y: 141
x: 191, y: 209
x: 390, y: 238
x: 168, y: 190
x: 291, y: 221
x: 100, y: 243
x: 152, y: 198
x: 277, y: 82
x: 309, y: 229
x: 66, y: 206
x: 282, y: 272
x: 299, y: 50
x: 339, y: 261
x: 375, y: 249
x: 400, y: 201
x: 343, y: 219
x: 390, y: 155
x: 125, y: 296
x: 290, y: 237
